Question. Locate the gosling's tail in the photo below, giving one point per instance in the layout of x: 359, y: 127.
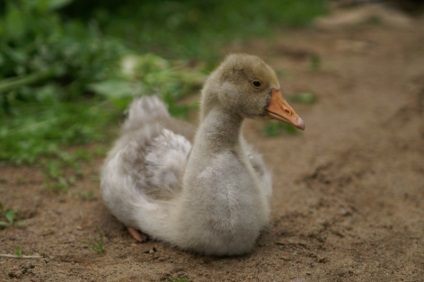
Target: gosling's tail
x: 145, y: 110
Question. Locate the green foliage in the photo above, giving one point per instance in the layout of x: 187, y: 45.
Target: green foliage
x: 38, y: 132
x: 147, y: 74
x: 37, y: 45
x: 303, y: 98
x: 64, y: 84
x: 315, y: 62
x: 38, y: 135
x: 9, y: 217
x: 97, y: 244
x: 68, y: 69
x: 86, y: 195
x: 45, y: 102
x: 197, y: 28
x: 178, y: 279
x: 19, y: 252
x: 274, y: 128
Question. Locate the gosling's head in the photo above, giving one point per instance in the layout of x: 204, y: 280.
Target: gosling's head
x: 246, y: 85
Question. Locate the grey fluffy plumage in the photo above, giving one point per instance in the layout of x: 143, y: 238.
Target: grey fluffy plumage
x: 209, y: 194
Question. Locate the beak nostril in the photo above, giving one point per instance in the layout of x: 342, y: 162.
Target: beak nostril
x: 287, y: 111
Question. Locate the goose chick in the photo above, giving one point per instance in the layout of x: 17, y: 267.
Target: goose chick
x: 211, y: 195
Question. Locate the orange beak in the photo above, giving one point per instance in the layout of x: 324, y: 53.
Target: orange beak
x: 279, y: 109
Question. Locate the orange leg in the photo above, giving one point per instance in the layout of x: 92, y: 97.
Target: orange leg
x: 137, y: 235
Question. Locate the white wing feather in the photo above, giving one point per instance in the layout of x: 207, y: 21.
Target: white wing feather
x: 166, y: 160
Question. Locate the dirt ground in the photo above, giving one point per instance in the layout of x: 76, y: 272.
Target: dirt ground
x: 348, y: 200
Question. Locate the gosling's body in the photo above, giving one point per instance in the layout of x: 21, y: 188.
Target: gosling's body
x: 211, y: 197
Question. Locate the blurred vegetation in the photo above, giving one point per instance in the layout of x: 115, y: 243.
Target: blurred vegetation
x: 194, y: 28
x: 69, y: 68
x: 9, y: 218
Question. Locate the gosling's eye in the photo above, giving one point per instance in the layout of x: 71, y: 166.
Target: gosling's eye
x: 256, y: 83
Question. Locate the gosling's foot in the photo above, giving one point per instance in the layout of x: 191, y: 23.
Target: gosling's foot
x: 137, y: 235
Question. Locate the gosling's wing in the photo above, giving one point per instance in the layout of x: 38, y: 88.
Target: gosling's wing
x: 259, y: 167
x: 165, y: 163
x: 149, y: 152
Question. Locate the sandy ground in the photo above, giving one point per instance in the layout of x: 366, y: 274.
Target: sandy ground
x: 348, y: 200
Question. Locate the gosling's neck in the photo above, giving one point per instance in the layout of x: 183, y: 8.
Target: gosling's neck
x: 219, y: 129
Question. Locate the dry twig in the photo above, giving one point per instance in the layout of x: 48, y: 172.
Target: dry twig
x: 20, y: 257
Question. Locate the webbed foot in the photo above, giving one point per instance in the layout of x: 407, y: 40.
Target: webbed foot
x: 138, y: 235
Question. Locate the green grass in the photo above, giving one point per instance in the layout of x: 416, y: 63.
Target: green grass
x: 193, y: 29
x: 274, y: 128
x: 97, y: 244
x: 41, y: 125
x: 303, y: 98
x: 178, y: 279
x: 35, y: 131
x: 86, y: 195
x: 9, y: 217
x: 315, y: 62
x: 19, y: 252
x: 38, y: 135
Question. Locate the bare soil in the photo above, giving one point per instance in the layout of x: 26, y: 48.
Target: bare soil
x: 348, y: 200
